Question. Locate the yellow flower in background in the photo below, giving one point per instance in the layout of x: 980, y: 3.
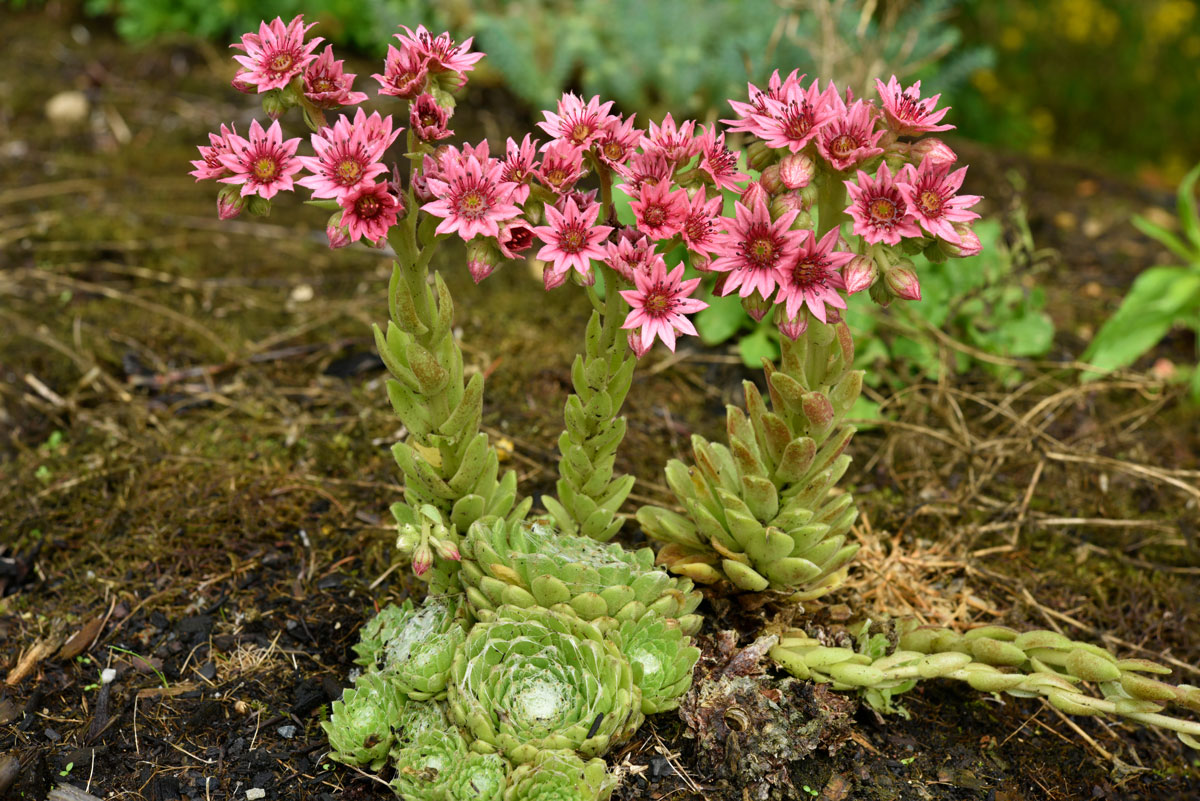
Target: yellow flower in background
x: 1085, y: 21
x: 1169, y: 19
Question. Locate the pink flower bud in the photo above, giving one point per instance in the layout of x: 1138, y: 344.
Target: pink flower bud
x: 338, y: 236
x: 446, y: 549
x: 770, y: 180
x: 796, y: 170
x: 756, y: 306
x: 903, y: 283
x: 859, y: 273
x: 241, y: 85
x: 793, y: 329
x: 422, y: 559
x: 229, y: 202
x: 273, y: 105
x: 553, y: 280
x: 969, y: 244
x: 753, y: 193
x: 782, y: 204
x: 635, y: 343
x: 934, y: 150
x: 482, y: 257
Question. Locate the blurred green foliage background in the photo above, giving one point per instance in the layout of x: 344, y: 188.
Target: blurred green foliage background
x: 1109, y: 81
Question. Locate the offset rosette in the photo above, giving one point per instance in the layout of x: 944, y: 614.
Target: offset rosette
x: 360, y: 726
x: 478, y: 777
x: 663, y: 660
x: 425, y: 767
x: 414, y: 647
x: 532, y: 564
x: 560, y: 776
x: 762, y: 513
x: 530, y: 680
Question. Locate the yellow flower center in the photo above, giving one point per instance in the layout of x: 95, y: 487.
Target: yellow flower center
x: 265, y: 169
x: 930, y: 202
x: 556, y: 177
x: 573, y: 240
x: 842, y: 146
x: 657, y: 303
x: 367, y: 207
x: 282, y: 62
x: 883, y: 210
x: 580, y: 133
x: 806, y: 272
x: 348, y: 171
x: 472, y: 204
x: 761, y: 251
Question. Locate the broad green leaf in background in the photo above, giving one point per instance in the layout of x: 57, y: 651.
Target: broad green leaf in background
x: 1158, y: 298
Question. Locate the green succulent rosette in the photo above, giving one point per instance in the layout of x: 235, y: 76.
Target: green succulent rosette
x: 360, y: 725
x: 417, y: 718
x: 530, y: 680
x: 479, y: 777
x: 560, y: 776
x: 426, y: 766
x: 530, y: 564
x: 763, y: 513
x: 663, y: 660
x: 414, y: 646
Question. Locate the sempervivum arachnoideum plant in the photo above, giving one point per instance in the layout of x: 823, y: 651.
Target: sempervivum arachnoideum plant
x: 478, y: 777
x: 764, y: 513
x: 532, y: 680
x: 560, y: 776
x: 425, y: 767
x: 415, y: 647
x: 531, y: 564
x: 362, y: 724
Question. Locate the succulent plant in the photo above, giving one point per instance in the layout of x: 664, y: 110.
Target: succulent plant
x: 479, y: 777
x: 663, y: 660
x: 996, y: 659
x: 761, y: 513
x: 560, y: 776
x: 530, y: 680
x: 425, y: 768
x: 360, y: 725
x: 418, y: 717
x: 531, y: 564
x: 414, y: 646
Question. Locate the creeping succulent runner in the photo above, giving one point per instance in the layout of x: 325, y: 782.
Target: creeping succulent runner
x: 538, y: 649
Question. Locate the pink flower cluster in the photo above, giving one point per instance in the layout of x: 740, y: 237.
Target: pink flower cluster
x: 805, y: 143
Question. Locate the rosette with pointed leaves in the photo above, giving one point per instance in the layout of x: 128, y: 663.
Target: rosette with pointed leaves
x: 415, y: 646
x: 418, y: 717
x: 426, y: 766
x: 360, y: 725
x: 588, y: 493
x: 479, y: 777
x: 762, y: 513
x: 662, y: 657
x: 529, y: 680
x: 996, y: 659
x: 531, y: 564
x: 560, y: 776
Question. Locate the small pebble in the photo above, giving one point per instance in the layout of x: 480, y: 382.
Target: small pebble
x: 254, y: 793
x: 287, y: 732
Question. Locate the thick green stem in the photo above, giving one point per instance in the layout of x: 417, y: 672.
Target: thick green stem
x: 831, y: 203
x: 589, y: 495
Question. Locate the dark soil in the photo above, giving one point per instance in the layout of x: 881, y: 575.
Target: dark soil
x: 194, y: 478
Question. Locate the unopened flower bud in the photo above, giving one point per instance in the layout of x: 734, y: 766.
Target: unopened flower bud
x: 796, y: 170
x: 446, y: 548
x: 782, y: 204
x: 338, y: 236
x: 969, y: 244
x: 258, y: 206
x: 230, y: 202
x: 894, y: 160
x: 754, y: 193
x: 880, y: 293
x: 422, y: 559
x: 635, y: 343
x: 552, y: 279
x: 482, y: 257
x: 903, y: 283
x: 770, y: 180
x: 808, y: 196
x: 407, y: 539
x: 934, y: 150
x: 700, y: 261
x: 756, y: 305
x: 793, y: 329
x: 239, y: 83
x: 273, y: 105
x: 759, y: 156
x: 803, y: 220
x: 859, y: 274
